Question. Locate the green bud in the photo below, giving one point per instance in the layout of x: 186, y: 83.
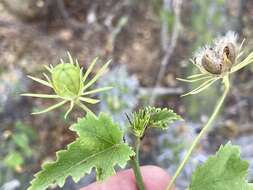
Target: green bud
x: 70, y: 85
x: 66, y: 79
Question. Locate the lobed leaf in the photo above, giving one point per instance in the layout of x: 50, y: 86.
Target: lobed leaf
x: 224, y: 171
x: 162, y: 117
x: 99, y: 145
x: 151, y: 117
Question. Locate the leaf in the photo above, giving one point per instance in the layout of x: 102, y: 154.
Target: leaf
x: 224, y: 171
x: 99, y: 146
x: 22, y: 141
x: 13, y: 160
x: 162, y: 117
x: 139, y: 122
x: 151, y: 117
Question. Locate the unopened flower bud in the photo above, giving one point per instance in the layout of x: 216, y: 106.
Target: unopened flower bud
x: 66, y: 78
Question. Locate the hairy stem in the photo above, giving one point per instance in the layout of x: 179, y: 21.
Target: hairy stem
x: 202, y: 132
x: 136, y: 167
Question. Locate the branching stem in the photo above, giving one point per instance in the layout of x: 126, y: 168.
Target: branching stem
x: 202, y: 132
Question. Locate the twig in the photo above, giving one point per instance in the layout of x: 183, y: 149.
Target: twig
x: 167, y: 46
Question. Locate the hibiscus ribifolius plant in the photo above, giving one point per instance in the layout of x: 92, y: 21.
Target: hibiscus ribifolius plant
x: 100, y: 142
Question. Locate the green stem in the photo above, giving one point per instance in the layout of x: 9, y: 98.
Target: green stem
x: 137, y: 150
x: 136, y: 167
x: 202, y: 132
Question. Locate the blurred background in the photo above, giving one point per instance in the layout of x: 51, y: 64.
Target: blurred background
x: 150, y: 43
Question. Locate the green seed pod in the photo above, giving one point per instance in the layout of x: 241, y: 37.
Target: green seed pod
x: 66, y: 80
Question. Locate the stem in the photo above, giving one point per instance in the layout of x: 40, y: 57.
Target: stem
x: 136, y: 167
x: 202, y: 132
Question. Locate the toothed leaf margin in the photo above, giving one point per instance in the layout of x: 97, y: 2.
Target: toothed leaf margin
x: 99, y: 145
x: 224, y: 171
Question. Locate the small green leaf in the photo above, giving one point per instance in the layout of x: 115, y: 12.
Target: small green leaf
x: 162, y: 117
x: 13, y: 160
x: 224, y: 171
x: 100, y: 145
x: 139, y: 122
x: 22, y: 141
x: 151, y: 117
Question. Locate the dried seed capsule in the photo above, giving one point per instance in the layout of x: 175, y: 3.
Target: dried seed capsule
x: 211, y: 65
x: 66, y: 80
x: 228, y: 57
x: 230, y: 52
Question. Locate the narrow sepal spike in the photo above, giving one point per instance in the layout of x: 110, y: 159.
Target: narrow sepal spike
x: 97, y: 90
x: 48, y: 79
x: 70, y: 109
x: 241, y: 45
x: 70, y: 58
x: 248, y: 60
x: 50, y: 108
x: 40, y: 95
x: 90, y: 69
x: 89, y: 100
x: 77, y: 64
x: 197, y: 75
x: 48, y: 68
x: 194, y: 80
x: 86, y: 109
x: 202, y: 87
x: 95, y: 78
x: 40, y: 81
x: 239, y: 55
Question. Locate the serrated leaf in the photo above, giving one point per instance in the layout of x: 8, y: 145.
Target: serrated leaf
x: 162, y: 117
x: 151, y: 117
x: 99, y: 146
x: 224, y: 171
